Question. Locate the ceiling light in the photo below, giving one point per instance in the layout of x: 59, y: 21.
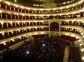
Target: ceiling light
x: 7, y: 2
x: 64, y: 3
x: 4, y: 43
x: 49, y: 4
x: 15, y: 0
x: 82, y: 49
x: 27, y: 52
x: 43, y: 45
x: 82, y: 57
x: 0, y: 11
x: 0, y: 0
x: 81, y: 44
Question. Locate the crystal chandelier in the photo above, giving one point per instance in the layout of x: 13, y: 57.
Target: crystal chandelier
x: 49, y: 4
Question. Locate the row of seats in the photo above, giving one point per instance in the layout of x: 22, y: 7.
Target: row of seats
x: 40, y: 36
x: 76, y: 15
x: 19, y: 39
x: 24, y: 10
x: 76, y: 23
x: 68, y: 38
x: 37, y: 53
x: 20, y: 24
x: 18, y: 32
x: 12, y: 42
x: 71, y: 30
x: 74, y: 54
x: 4, y: 15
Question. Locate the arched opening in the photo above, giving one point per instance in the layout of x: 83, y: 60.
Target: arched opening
x: 54, y: 26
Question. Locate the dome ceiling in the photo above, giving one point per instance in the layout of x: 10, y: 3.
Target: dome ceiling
x: 37, y: 3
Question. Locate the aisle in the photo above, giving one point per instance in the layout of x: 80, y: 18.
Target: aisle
x: 66, y: 54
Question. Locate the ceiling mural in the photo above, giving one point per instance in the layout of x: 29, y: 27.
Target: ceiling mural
x: 38, y: 3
